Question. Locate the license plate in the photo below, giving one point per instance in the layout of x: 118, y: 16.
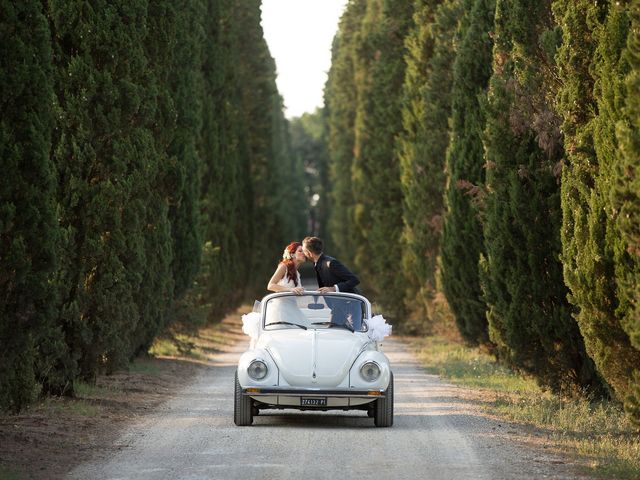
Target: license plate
x: 314, y: 402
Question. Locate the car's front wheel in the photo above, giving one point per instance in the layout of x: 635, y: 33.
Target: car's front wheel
x: 242, y: 408
x: 383, y: 409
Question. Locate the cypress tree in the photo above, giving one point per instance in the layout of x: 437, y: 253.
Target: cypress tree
x: 156, y: 293
x: 462, y: 242
x: 186, y: 84
x: 267, y: 137
x: 111, y: 205
x: 422, y: 146
x: 376, y: 170
x: 627, y: 201
x: 595, y: 259
x: 529, y: 317
x: 340, y: 104
x: 250, y: 199
x: 29, y: 235
x: 224, y: 157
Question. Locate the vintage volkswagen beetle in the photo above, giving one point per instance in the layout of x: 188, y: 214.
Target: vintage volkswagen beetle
x: 314, y: 352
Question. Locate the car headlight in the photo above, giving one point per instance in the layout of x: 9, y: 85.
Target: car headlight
x: 257, y: 370
x: 370, y: 371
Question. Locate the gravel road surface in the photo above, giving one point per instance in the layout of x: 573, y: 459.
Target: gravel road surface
x: 438, y: 434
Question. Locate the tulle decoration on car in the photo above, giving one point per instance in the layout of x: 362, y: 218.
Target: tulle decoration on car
x: 251, y: 326
x: 378, y: 328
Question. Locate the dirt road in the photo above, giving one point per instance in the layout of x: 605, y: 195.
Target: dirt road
x: 439, y: 433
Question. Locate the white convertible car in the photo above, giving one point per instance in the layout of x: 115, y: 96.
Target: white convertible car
x: 314, y: 352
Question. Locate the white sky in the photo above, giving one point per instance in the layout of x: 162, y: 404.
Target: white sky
x: 299, y: 34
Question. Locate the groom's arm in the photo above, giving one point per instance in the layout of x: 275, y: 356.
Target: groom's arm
x: 348, y: 280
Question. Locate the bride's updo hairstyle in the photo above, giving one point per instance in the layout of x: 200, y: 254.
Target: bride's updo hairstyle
x: 287, y: 259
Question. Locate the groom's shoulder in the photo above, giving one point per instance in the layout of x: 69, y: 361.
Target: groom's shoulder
x: 326, y: 259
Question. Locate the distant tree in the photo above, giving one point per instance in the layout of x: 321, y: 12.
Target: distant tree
x: 529, y: 316
x: 422, y: 147
x: 308, y: 145
x: 29, y: 235
x: 462, y: 242
x: 596, y: 258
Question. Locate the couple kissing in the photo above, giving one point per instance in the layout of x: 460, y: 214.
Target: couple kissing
x: 332, y: 275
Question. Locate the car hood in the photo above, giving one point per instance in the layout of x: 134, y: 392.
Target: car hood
x: 313, y: 358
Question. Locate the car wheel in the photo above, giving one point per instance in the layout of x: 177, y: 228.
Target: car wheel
x: 383, y: 415
x: 242, y: 407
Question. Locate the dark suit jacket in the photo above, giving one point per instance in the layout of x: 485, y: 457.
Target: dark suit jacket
x: 330, y: 272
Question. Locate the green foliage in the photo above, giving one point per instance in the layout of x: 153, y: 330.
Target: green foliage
x: 379, y: 75
x: 462, y: 242
x: 529, y: 317
x: 111, y: 166
x: 340, y: 112
x: 422, y: 146
x: 626, y: 185
x: 597, y: 262
x: 268, y: 179
x: 308, y: 146
x: 184, y: 170
x: 164, y: 126
x: 29, y: 236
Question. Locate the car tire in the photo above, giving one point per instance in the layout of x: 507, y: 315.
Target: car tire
x: 242, y: 407
x: 383, y: 414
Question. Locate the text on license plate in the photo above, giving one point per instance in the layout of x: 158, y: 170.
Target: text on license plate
x: 314, y: 402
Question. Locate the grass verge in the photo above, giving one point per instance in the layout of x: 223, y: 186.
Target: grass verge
x: 597, y: 431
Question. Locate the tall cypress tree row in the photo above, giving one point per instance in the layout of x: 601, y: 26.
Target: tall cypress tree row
x: 224, y: 157
x: 529, y: 317
x: 29, y: 235
x: 161, y: 123
x: 462, y: 242
x: 156, y: 289
x: 627, y: 201
x: 376, y: 170
x: 268, y: 148
x: 592, y: 68
x: 111, y: 204
x: 340, y: 104
x: 186, y: 83
x: 423, y: 143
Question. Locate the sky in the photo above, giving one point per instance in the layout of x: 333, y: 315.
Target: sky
x: 299, y: 34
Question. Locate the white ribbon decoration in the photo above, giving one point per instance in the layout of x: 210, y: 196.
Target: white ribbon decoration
x: 251, y: 326
x: 378, y: 328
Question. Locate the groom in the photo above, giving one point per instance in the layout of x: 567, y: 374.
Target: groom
x: 333, y: 276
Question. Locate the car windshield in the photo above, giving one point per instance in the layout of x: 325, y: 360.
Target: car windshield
x: 315, y: 311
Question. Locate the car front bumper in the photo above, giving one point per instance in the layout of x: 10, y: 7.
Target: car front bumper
x: 287, y: 397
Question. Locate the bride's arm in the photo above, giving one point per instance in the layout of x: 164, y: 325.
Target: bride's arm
x: 277, y: 276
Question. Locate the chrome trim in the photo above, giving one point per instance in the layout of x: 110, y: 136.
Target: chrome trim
x: 292, y: 392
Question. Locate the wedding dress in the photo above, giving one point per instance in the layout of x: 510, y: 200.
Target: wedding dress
x: 288, y: 282
x: 286, y: 309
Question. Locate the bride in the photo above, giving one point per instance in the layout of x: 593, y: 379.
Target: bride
x: 286, y: 278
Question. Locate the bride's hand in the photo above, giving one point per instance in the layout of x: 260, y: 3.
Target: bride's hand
x: 298, y: 290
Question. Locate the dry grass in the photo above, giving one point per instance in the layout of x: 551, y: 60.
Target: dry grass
x: 598, y: 431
